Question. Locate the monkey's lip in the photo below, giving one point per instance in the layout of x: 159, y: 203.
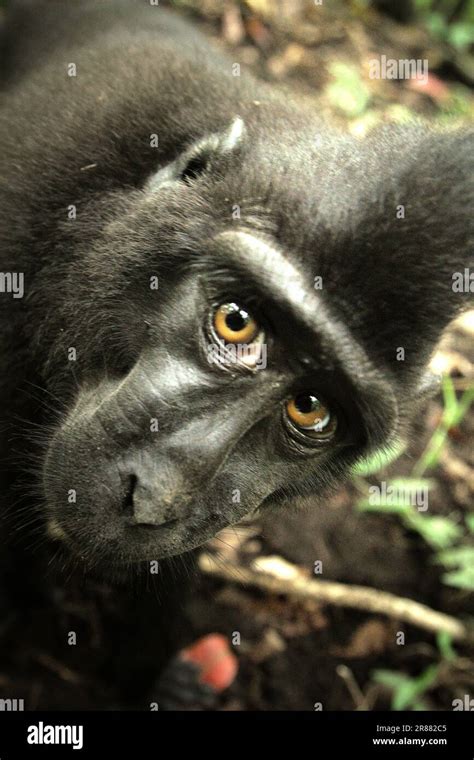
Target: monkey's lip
x: 151, y: 527
x: 57, y: 532
x: 134, y: 542
x: 177, y: 536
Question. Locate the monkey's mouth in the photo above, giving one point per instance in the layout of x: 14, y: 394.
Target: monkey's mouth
x: 163, y: 526
x: 112, y: 540
x: 56, y: 531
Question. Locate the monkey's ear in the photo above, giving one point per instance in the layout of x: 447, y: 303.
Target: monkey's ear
x: 198, y: 158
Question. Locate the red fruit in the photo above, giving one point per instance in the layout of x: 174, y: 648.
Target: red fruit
x: 218, y: 665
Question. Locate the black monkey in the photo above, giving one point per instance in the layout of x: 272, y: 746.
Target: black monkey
x: 210, y: 301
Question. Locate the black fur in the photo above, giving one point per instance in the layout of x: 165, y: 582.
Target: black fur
x: 325, y: 204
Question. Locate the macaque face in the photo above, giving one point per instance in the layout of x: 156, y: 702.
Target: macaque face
x: 238, y: 392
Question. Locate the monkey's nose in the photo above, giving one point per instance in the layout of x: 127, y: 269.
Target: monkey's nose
x: 156, y: 502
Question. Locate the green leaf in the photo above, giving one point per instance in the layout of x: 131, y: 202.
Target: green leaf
x: 462, y: 406
x: 412, y: 486
x: 460, y: 555
x: 348, y: 92
x: 454, y: 412
x: 389, y: 678
x: 408, y: 694
x: 379, y: 459
x: 461, y: 35
x: 437, y: 25
x: 427, y: 678
x: 404, y: 695
x: 439, y: 532
x: 445, y: 646
x: 423, y: 5
x: 463, y: 578
x: 469, y: 519
x: 449, y: 397
x: 406, y: 690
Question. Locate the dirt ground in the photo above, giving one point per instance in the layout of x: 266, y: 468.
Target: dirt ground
x: 293, y: 653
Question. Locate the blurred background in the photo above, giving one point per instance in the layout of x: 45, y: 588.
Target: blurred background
x: 301, y: 642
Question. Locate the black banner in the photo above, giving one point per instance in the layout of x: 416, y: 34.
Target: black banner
x: 149, y: 734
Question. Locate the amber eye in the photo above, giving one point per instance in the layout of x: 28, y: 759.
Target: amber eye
x: 233, y: 324
x: 310, y: 415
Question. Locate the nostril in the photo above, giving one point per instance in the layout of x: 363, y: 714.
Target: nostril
x: 130, y: 490
x: 148, y: 504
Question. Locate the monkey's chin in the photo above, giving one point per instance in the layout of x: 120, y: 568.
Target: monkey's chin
x: 119, y: 546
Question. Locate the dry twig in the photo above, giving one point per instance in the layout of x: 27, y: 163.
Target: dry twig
x: 278, y: 576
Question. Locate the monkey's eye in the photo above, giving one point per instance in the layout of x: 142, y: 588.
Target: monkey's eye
x: 234, y: 324
x: 311, y: 416
x: 238, y: 340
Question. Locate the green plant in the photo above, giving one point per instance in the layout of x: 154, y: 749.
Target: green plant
x: 400, y: 496
x: 447, y: 22
x: 347, y: 92
x: 460, y: 561
x: 454, y: 411
x: 408, y: 691
x: 379, y: 459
